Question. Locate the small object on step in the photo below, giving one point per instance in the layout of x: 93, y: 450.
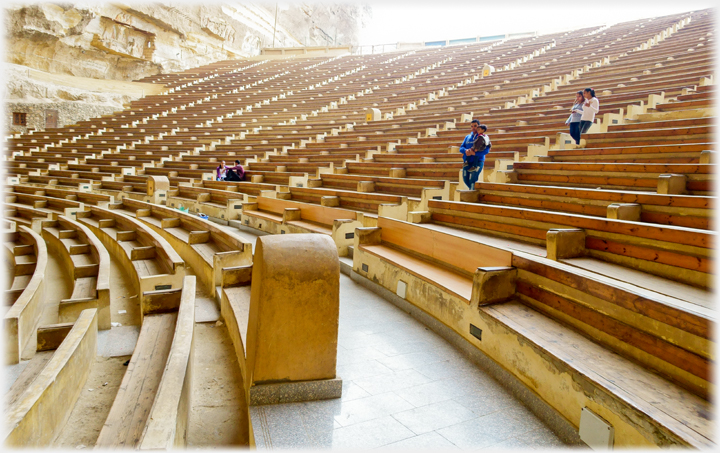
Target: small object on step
x: 126, y: 363
x: 90, y: 390
x: 105, y: 384
x: 218, y: 324
x: 115, y: 324
x: 122, y: 312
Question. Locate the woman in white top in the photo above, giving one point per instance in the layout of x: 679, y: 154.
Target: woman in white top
x: 590, y: 109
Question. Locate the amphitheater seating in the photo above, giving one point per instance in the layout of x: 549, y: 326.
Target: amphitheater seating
x: 626, y: 176
x: 208, y: 249
x: 156, y: 265
x: 678, y: 210
x: 50, y: 397
x: 158, y: 368
x: 679, y: 253
x: 24, y: 297
x: 87, y: 263
x: 599, y: 254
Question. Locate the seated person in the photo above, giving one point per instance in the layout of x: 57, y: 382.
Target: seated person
x: 220, y: 172
x: 235, y: 173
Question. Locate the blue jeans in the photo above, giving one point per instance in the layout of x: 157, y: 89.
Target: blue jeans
x: 575, y: 132
x: 471, y: 177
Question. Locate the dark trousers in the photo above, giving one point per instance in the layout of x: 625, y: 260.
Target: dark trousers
x: 584, y: 126
x: 575, y: 132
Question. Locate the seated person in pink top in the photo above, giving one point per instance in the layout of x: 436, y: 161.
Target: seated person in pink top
x: 236, y: 173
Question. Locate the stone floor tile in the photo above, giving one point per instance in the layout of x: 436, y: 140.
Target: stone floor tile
x: 352, y: 391
x: 354, y: 371
x: 391, y: 382
x: 370, y: 408
x: 346, y: 356
x: 409, y: 361
x: 370, y: 434
x: 431, y: 441
x: 484, y: 431
x: 434, y: 392
x: 434, y: 416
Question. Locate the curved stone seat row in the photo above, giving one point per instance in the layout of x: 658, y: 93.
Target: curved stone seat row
x: 86, y: 261
x: 26, y: 252
x: 152, y: 263
x: 209, y: 249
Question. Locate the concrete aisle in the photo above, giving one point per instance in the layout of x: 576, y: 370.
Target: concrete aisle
x: 404, y: 387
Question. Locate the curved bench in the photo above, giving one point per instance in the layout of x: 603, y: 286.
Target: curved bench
x: 642, y: 361
x: 25, y: 215
x: 278, y: 216
x: 67, y: 194
x: 55, y: 206
x: 30, y: 258
x: 151, y: 262
x: 208, y: 248
x: 88, y: 263
x: 152, y: 405
x: 38, y: 414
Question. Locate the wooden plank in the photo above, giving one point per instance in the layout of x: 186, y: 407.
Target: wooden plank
x: 636, y: 299
x: 128, y: 414
x: 455, y: 250
x: 668, y: 352
x: 661, y: 233
x: 453, y: 282
x: 635, y: 387
x: 695, y: 263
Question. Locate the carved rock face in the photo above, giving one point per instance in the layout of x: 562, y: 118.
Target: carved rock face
x: 131, y: 42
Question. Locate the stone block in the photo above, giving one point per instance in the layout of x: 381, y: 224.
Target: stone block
x: 290, y: 214
x: 670, y: 184
x: 419, y: 217
x: 397, y: 173
x: 294, y: 311
x: 565, y: 243
x: 624, y: 211
x: 368, y: 236
x: 330, y: 201
x: 492, y: 285
x: 365, y: 186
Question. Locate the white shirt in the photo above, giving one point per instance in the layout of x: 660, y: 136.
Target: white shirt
x: 589, y: 111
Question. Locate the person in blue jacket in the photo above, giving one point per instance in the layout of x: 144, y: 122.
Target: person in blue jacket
x: 474, y: 155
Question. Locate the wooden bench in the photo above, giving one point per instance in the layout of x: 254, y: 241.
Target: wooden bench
x: 53, y: 206
x: 221, y: 204
x: 152, y: 405
x: 277, y: 216
x: 515, y: 327
x: 207, y: 248
x: 679, y: 210
x: 676, y: 253
x: 694, y: 179
x: 87, y: 263
x: 49, y: 400
x: 366, y: 202
x: 151, y: 262
x: 446, y: 262
x: 67, y: 194
x: 27, y: 253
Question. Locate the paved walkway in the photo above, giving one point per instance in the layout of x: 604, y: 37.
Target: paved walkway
x: 403, y: 387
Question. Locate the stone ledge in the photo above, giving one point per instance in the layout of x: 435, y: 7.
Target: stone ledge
x: 294, y: 392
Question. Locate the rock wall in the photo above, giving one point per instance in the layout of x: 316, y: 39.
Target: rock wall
x: 127, y: 42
